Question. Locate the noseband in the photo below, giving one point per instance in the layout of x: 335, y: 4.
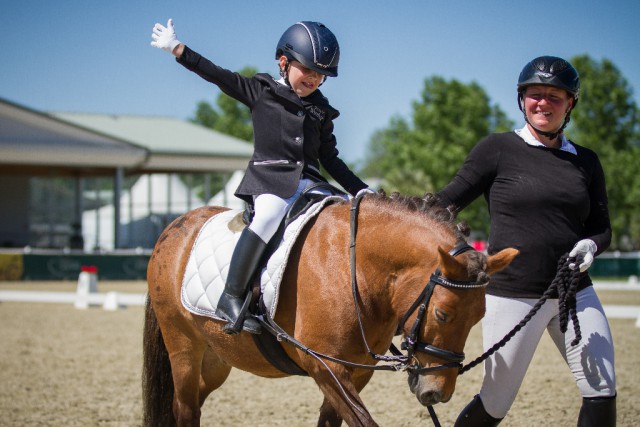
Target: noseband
x: 411, y: 342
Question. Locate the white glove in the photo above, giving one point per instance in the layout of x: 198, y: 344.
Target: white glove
x: 164, y: 37
x: 586, y: 249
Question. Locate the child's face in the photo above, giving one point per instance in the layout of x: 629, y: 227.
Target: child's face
x: 303, y: 81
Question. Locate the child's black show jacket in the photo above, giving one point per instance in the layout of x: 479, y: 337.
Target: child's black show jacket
x: 293, y: 135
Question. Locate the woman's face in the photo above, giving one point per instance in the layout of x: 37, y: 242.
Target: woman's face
x: 546, y: 107
x: 303, y: 81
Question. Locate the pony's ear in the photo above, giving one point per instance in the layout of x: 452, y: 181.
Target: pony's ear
x: 497, y: 262
x: 449, y: 266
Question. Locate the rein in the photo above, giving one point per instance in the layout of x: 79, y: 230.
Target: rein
x: 565, y: 284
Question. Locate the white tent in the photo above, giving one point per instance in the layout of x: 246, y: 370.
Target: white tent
x: 225, y: 197
x: 154, y: 201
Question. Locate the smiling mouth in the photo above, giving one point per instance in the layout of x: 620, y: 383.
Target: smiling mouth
x: 543, y: 114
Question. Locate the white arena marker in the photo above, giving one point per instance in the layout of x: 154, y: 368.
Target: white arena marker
x: 87, y: 284
x: 111, y: 302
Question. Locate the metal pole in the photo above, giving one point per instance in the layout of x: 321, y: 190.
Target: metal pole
x: 149, y: 195
x: 98, y: 205
x: 189, y: 190
x: 79, y: 202
x: 207, y: 188
x: 117, y: 192
x: 169, y: 175
x: 50, y: 208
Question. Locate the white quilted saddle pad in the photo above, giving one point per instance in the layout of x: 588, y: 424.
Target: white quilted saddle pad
x: 208, y: 264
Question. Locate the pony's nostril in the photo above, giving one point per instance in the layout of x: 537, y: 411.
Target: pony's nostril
x: 429, y: 397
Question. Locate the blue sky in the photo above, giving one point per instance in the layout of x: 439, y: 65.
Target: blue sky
x: 94, y: 56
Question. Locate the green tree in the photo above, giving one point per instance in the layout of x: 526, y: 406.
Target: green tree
x: 424, y: 155
x: 606, y: 120
x: 231, y: 117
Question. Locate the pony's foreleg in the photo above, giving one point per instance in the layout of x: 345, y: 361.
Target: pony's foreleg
x: 328, y: 415
x: 342, y: 401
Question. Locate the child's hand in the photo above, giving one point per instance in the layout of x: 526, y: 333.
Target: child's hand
x: 164, y: 37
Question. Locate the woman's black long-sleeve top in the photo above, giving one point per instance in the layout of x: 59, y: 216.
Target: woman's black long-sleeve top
x: 541, y: 201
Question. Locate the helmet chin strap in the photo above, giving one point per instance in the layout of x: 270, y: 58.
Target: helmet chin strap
x: 550, y: 135
x: 284, y: 73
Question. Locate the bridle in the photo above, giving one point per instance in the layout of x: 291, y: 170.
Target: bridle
x: 411, y: 342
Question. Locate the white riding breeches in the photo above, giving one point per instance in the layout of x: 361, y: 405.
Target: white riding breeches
x: 591, y: 361
x: 269, y: 210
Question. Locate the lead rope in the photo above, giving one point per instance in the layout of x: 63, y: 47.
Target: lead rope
x: 565, y: 284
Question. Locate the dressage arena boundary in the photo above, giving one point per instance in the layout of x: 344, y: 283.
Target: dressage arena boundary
x: 86, y: 296
x: 108, y: 300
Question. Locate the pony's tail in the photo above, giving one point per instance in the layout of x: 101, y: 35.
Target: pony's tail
x: 157, y: 382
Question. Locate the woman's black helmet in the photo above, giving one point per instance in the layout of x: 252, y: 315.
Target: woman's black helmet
x: 550, y: 71
x: 313, y: 45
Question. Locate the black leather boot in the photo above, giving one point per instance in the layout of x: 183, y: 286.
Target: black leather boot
x: 234, y: 300
x: 474, y: 415
x: 597, y: 411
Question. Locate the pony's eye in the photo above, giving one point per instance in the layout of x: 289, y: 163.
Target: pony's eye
x: 440, y: 315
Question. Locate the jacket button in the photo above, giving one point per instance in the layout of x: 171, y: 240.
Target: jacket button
x: 300, y: 113
x: 298, y: 140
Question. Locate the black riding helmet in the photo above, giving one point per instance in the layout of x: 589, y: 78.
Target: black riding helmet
x: 313, y: 45
x: 549, y: 71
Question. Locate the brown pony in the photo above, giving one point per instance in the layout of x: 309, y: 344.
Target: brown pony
x: 400, y: 243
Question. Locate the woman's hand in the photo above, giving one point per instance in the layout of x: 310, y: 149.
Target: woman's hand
x: 584, y: 251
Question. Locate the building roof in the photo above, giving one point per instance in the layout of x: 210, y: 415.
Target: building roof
x: 33, y: 142
x: 172, y: 143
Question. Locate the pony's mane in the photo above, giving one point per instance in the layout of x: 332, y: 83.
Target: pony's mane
x: 429, y: 206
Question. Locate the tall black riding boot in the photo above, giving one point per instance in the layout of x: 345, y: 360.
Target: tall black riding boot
x: 597, y: 411
x: 235, y: 299
x: 474, y: 415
